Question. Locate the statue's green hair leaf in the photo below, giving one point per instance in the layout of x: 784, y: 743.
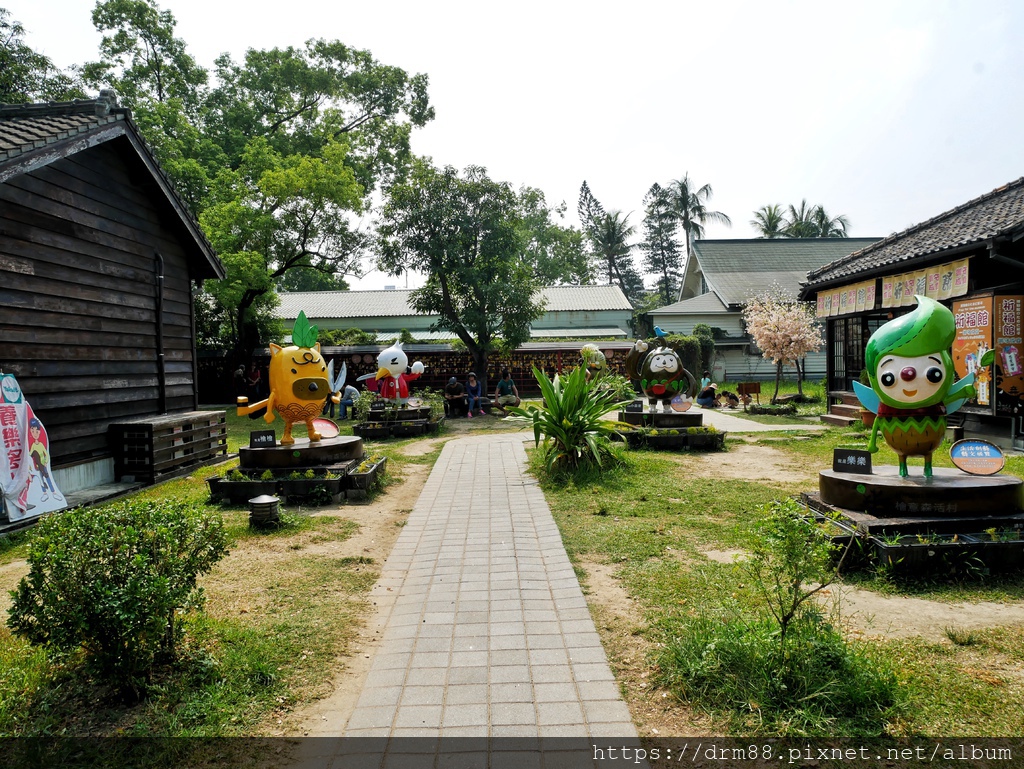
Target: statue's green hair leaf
x: 929, y: 328
x: 303, y: 334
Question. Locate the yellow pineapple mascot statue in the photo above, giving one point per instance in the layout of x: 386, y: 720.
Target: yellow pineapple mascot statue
x: 298, y: 383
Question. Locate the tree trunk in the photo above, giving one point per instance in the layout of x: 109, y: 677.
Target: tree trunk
x: 799, y: 379
x: 778, y: 380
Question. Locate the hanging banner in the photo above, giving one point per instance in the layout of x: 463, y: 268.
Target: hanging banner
x: 973, y: 339
x: 944, y: 281
x: 26, y: 481
x: 1009, y: 366
x: 934, y: 282
x: 834, y: 307
x: 907, y: 295
x: 960, y: 278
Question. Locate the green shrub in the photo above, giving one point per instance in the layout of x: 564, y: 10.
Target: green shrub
x: 688, y: 348
x: 786, y: 662
x: 572, y: 420
x: 109, y: 583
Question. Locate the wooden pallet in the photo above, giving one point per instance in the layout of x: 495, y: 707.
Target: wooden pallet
x: 150, y: 448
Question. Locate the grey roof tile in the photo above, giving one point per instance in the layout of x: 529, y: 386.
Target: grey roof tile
x: 737, y: 270
x: 998, y: 212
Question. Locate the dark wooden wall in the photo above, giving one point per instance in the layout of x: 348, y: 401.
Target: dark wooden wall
x: 216, y: 383
x: 78, y: 319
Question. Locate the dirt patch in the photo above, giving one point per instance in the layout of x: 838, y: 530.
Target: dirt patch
x: 763, y: 464
x: 620, y: 623
x: 379, y: 527
x: 870, y: 615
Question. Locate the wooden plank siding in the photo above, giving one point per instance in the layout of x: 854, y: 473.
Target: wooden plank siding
x: 79, y: 240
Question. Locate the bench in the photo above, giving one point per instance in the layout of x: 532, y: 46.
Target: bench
x: 746, y: 389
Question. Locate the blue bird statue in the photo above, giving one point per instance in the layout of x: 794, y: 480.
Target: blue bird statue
x: 658, y: 332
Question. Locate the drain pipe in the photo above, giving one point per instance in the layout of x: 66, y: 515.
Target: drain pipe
x: 161, y: 363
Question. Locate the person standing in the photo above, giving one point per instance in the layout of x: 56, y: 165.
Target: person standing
x: 255, y: 382
x: 505, y: 393
x: 241, y: 383
x: 475, y: 393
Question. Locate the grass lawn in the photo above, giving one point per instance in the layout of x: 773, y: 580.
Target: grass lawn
x: 653, y: 520
x: 284, y: 605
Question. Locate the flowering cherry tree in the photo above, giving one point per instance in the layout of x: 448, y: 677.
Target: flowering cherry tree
x: 784, y: 329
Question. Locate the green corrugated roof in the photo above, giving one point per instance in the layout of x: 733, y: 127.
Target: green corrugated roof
x: 737, y: 270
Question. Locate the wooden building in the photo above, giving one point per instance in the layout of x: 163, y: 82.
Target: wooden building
x: 98, y: 254
x: 971, y: 259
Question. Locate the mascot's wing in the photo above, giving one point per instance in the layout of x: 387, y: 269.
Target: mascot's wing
x: 337, y: 382
x: 959, y: 393
x: 868, y: 398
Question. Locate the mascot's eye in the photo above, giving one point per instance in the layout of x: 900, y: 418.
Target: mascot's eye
x: 294, y: 371
x: 934, y: 375
x: 394, y: 360
x: 888, y: 379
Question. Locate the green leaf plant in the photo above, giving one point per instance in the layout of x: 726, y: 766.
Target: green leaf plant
x: 572, y: 421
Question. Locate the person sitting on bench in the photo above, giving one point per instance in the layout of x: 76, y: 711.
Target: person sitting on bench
x: 454, y: 398
x: 506, y: 394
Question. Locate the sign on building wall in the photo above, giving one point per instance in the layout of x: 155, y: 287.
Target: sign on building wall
x: 973, y: 339
x: 26, y: 481
x: 1009, y: 365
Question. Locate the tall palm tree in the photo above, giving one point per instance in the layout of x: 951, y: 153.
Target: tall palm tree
x: 801, y: 221
x: 827, y: 226
x: 770, y: 221
x: 610, y: 235
x: 690, y: 205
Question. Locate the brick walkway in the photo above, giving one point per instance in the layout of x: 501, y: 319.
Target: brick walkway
x: 488, y: 633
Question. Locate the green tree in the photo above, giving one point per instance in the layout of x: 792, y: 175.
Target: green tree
x: 557, y: 250
x: 659, y: 245
x: 770, y: 221
x: 608, y: 235
x: 274, y: 214
x: 141, y: 58
x: 690, y: 204
x: 466, y: 234
x: 27, y: 76
x: 326, y: 119
x: 800, y: 222
x: 829, y: 227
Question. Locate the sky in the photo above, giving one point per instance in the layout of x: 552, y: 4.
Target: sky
x: 887, y: 112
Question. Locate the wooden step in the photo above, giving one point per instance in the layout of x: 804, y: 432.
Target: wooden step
x: 846, y: 397
x: 839, y: 421
x: 845, y: 410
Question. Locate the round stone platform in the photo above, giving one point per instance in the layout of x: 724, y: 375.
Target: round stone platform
x: 303, y: 453
x: 948, y: 492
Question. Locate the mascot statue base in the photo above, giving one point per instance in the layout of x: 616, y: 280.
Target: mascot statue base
x: 912, y: 392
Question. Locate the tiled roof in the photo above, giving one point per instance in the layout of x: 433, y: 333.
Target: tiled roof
x: 34, y: 135
x: 702, y: 304
x: 26, y: 127
x: 737, y: 270
x: 584, y: 298
x: 996, y: 213
x: 391, y: 304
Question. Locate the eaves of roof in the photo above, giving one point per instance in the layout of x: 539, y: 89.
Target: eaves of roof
x: 968, y: 227
x: 36, y: 135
